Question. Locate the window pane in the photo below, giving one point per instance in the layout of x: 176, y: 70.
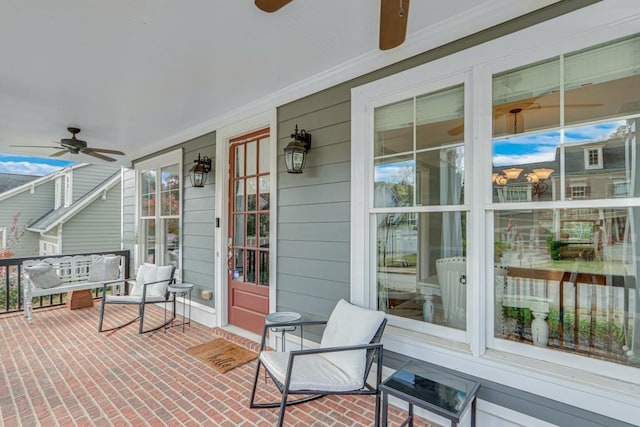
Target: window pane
x: 251, y: 194
x: 421, y: 269
x: 238, y: 228
x: 147, y: 193
x: 149, y: 240
x: 264, y: 193
x: 440, y: 176
x: 170, y: 197
x: 239, y: 160
x: 603, y: 82
x: 172, y: 241
x: 527, y: 99
x: 239, y: 194
x: 564, y: 279
x: 440, y: 118
x: 394, y: 128
x: 264, y: 268
x: 251, y: 230
x: 394, y: 181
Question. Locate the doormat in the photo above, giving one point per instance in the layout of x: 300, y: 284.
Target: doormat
x: 222, y: 355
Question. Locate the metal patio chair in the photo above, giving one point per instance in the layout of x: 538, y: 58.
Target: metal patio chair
x: 350, y: 345
x: 150, y: 287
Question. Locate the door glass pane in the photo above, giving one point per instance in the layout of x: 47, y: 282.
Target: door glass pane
x: 264, y: 268
x: 251, y: 231
x: 239, y: 167
x: 421, y: 266
x: 170, y: 188
x: 251, y: 266
x: 239, y: 194
x: 238, y: 265
x: 263, y: 204
x: 263, y: 166
x: 148, y: 193
x: 251, y: 194
x: 264, y: 230
x: 238, y: 228
x: 394, y: 181
x: 252, y: 158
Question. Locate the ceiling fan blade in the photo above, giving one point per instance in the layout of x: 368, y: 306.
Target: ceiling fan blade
x: 103, y: 150
x: 99, y: 156
x: 393, y: 23
x: 456, y: 130
x: 271, y: 6
x: 59, y: 153
x: 34, y: 146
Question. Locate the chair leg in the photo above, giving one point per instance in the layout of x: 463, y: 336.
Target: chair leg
x: 101, y: 315
x: 283, y: 407
x: 255, y: 385
x: 141, y: 312
x: 377, y: 422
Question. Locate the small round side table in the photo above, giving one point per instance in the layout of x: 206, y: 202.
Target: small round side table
x: 183, y: 290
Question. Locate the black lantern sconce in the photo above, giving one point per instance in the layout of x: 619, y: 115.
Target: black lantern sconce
x: 198, y: 173
x: 295, y: 154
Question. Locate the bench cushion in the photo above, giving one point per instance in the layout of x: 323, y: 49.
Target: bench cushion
x: 104, y: 268
x: 42, y: 276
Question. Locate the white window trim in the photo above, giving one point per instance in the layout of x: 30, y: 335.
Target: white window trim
x: 584, y: 388
x: 58, y: 193
x: 156, y: 163
x: 68, y: 188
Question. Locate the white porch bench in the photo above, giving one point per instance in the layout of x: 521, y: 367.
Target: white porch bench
x: 58, y: 275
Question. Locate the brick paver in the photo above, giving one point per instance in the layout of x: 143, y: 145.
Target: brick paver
x: 60, y: 371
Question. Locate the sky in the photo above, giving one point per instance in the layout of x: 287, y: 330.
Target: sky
x: 24, y: 165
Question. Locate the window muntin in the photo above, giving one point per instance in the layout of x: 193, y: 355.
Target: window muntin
x: 418, y: 165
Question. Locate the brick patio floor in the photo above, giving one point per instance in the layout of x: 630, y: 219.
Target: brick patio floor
x: 60, y: 371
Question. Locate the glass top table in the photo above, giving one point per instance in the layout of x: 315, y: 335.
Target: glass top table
x: 432, y: 389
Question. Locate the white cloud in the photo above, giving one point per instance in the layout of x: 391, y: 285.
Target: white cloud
x: 28, y: 168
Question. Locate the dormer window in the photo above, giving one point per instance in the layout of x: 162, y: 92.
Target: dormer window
x: 593, y: 158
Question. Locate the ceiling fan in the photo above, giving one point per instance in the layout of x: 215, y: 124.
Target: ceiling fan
x: 74, y: 146
x: 393, y: 19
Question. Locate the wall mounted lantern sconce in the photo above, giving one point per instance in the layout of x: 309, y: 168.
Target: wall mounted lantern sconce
x: 295, y: 154
x: 198, y: 173
x: 537, y: 177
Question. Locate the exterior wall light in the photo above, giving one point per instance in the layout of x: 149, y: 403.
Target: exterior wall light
x: 198, y: 173
x: 295, y: 154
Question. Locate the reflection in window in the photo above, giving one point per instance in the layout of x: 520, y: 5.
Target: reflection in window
x: 563, y: 279
x: 421, y: 269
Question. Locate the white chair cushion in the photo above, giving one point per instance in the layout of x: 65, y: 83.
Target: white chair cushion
x: 148, y: 273
x: 130, y: 299
x: 310, y: 372
x: 42, y: 276
x: 350, y: 325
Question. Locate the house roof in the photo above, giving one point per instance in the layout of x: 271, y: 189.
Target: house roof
x: 12, y: 180
x: 63, y: 214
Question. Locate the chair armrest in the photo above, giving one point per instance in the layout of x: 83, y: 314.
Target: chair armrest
x: 300, y: 323
x: 296, y: 353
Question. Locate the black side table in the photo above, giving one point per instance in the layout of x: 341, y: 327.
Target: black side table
x: 183, y: 290
x: 432, y: 389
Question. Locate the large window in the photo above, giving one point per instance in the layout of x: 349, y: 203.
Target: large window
x: 566, y: 134
x: 159, y: 209
x: 418, y: 198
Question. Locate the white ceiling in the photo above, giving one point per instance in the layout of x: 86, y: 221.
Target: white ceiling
x: 137, y: 74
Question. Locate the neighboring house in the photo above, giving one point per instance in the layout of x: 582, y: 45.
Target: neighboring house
x: 438, y: 114
x: 74, y: 210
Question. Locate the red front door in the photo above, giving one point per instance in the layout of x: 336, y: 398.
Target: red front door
x: 248, y: 240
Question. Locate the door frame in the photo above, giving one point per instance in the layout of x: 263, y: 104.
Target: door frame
x: 266, y: 119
